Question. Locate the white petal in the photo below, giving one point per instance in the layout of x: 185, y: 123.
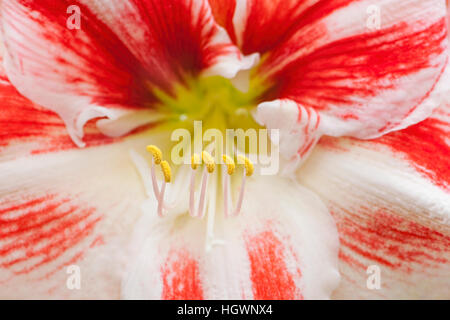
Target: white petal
x: 283, y: 246
x: 68, y: 208
x: 390, y: 198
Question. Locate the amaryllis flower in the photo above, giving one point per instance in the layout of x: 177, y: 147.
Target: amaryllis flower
x: 363, y: 183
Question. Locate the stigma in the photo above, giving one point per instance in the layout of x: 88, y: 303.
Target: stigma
x: 204, y: 167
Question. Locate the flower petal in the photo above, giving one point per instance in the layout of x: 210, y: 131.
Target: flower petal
x: 329, y: 56
x: 122, y: 51
x: 299, y: 128
x: 448, y: 18
x: 224, y: 12
x: 26, y: 128
x: 391, y: 199
x: 368, y: 83
x: 172, y: 38
x: 68, y: 208
x: 282, y: 246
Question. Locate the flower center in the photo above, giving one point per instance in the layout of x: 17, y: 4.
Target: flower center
x: 213, y: 171
x: 213, y: 100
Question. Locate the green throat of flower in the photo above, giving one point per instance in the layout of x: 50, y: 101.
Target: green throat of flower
x: 213, y: 100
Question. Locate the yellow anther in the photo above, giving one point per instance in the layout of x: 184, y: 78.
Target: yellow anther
x: 249, y: 168
x: 229, y: 163
x: 156, y: 153
x: 209, y: 161
x: 165, y: 167
x: 195, y: 161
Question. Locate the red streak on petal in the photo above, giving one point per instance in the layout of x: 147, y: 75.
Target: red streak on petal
x: 37, y: 232
x: 23, y: 122
x: 426, y: 146
x: 97, y: 242
x: 388, y: 239
x: 76, y: 257
x: 268, y: 270
x: 25, y: 205
x: 185, y: 36
x: 289, y: 17
x: 304, y: 150
x: 102, y: 67
x: 350, y: 260
x: 370, y: 63
x: 223, y: 11
x: 181, y: 277
x: 20, y: 119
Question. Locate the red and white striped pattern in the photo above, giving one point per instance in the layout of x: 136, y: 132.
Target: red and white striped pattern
x: 329, y: 74
x: 394, y: 209
x: 266, y: 253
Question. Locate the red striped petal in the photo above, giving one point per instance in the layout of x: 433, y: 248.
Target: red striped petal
x: 223, y: 11
x: 289, y: 17
x: 92, y: 61
x: 64, y: 208
x: 181, y: 278
x: 265, y: 253
x: 327, y: 55
x: 359, y: 78
x: 122, y: 51
x: 394, y: 210
x: 39, y: 231
x: 267, y: 256
x: 383, y: 237
x: 412, y: 255
x: 426, y: 146
x: 35, y: 129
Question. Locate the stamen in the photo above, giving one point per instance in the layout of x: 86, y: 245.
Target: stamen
x: 226, y: 192
x: 161, y: 199
x: 248, y: 171
x: 167, y: 172
x: 194, y: 165
x: 201, y: 204
x: 156, y: 159
x: 195, y: 161
x: 241, y: 197
x: 231, y: 167
x: 165, y: 167
x: 156, y: 153
x: 154, y: 181
x: 229, y: 163
x: 249, y: 168
x: 210, y: 241
x: 209, y: 168
x: 209, y: 161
